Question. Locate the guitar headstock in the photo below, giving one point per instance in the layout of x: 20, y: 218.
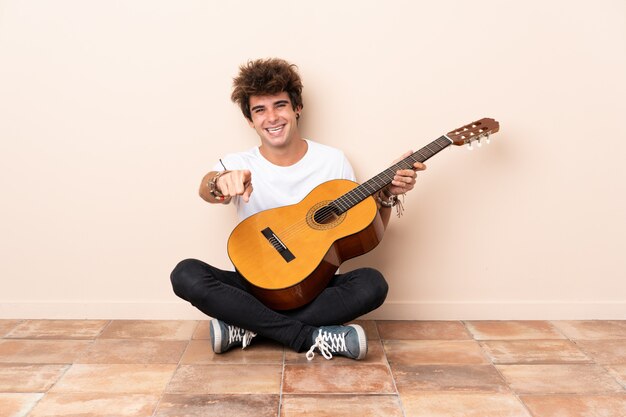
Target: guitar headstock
x: 474, y: 132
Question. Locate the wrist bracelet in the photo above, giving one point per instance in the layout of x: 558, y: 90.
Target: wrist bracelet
x: 213, y: 190
x: 390, y: 202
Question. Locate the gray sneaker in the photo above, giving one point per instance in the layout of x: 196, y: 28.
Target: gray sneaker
x: 349, y: 341
x: 225, y: 336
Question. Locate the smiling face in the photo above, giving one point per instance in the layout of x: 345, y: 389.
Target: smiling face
x: 275, y: 121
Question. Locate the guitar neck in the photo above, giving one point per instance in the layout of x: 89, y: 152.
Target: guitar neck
x: 380, y: 181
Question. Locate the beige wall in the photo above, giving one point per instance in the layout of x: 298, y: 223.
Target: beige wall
x: 111, y: 112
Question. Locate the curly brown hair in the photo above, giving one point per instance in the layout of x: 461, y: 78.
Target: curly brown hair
x: 266, y: 77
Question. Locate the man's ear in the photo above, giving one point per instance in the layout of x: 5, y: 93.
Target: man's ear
x: 250, y: 122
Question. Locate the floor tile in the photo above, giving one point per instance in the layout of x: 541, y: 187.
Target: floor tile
x: 619, y: 373
x: 422, y: 330
x: 150, y: 329
x: 371, y: 330
x: 117, y: 351
x: 17, y: 405
x: 462, y: 405
x: 375, y: 355
x: 41, y: 351
x: 58, y: 329
x: 226, y: 379
x: 29, y: 378
x: 512, y: 330
x: 468, y: 378
x: 166, y: 368
x: 202, y: 331
x: 200, y: 352
x: 605, y: 351
x: 558, y: 379
x: 341, y: 405
x: 593, y: 329
x: 576, y: 406
x: 432, y: 352
x: 127, y: 379
x: 7, y: 325
x: 173, y: 405
x: 533, y: 351
x: 95, y: 405
x: 339, y: 379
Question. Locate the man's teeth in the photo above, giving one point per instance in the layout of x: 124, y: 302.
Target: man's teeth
x: 274, y: 129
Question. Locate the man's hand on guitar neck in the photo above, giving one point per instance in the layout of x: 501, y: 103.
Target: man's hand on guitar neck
x: 404, y: 180
x: 220, y: 187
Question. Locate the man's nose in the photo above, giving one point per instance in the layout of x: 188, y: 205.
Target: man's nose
x: 272, y: 115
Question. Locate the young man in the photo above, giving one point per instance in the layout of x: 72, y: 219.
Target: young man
x: 281, y: 171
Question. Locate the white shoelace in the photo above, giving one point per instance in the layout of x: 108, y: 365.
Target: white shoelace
x: 247, y: 338
x: 236, y: 334
x: 326, y: 342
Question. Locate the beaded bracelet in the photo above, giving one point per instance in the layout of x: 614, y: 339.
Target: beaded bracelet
x: 213, y: 186
x: 390, y: 202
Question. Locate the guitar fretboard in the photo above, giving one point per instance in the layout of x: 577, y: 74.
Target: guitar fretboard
x: 380, y: 181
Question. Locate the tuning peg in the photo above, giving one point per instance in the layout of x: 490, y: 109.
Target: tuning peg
x: 469, y: 146
x: 479, y: 143
x: 488, y: 139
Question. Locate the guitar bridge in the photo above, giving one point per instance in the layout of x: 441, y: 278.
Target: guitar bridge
x: 278, y: 244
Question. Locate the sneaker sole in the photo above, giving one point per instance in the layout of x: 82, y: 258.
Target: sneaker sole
x: 216, y: 335
x: 362, y: 341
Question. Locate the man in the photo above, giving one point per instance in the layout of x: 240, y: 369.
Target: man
x: 281, y: 171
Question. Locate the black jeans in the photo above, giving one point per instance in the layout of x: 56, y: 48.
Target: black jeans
x: 224, y: 295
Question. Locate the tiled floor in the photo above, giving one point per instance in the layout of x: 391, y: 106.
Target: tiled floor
x: 414, y: 368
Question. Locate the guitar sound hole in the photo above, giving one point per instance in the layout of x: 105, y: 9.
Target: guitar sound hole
x: 326, y: 215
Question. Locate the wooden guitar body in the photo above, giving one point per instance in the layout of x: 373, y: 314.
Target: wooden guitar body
x: 289, y: 254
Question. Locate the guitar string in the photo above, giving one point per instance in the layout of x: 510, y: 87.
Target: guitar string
x: 320, y: 217
x: 324, y: 213
x: 297, y: 227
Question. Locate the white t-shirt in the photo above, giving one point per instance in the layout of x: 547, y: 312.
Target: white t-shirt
x: 277, y: 186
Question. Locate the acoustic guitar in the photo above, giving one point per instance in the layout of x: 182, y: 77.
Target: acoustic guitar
x: 289, y: 254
